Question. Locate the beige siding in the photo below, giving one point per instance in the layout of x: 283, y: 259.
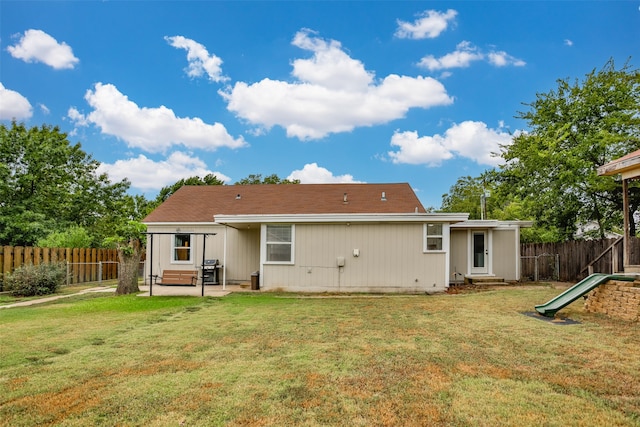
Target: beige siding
x: 459, y: 256
x: 505, y: 254
x: 243, y: 253
x: 391, y: 259
x: 243, y: 250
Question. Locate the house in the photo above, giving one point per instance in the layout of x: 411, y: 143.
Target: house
x: 326, y: 238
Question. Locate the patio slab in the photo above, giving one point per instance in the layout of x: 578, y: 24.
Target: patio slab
x: 196, y: 291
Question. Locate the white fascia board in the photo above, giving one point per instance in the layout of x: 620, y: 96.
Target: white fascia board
x: 340, y: 218
x: 491, y: 223
x: 178, y: 224
x: 518, y: 223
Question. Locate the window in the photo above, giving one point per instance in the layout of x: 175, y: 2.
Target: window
x: 181, y: 248
x: 433, y: 237
x: 279, y: 242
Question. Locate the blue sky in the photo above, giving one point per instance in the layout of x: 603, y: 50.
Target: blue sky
x: 321, y: 91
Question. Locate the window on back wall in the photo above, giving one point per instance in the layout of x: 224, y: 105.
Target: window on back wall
x: 279, y: 243
x: 181, y: 248
x: 434, y: 237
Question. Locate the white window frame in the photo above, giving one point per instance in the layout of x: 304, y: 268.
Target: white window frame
x: 443, y: 236
x: 174, y: 248
x: 267, y: 243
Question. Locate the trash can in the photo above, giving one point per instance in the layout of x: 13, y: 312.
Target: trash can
x: 255, y: 281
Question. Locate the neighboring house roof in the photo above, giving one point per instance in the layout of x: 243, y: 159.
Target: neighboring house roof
x: 201, y: 203
x: 628, y: 166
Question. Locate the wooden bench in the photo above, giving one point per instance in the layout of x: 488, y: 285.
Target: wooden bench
x: 178, y: 277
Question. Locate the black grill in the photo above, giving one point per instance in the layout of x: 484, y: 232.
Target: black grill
x: 211, y: 272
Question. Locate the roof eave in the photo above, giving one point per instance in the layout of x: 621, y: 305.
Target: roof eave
x: 621, y: 166
x: 340, y: 218
x: 492, y: 223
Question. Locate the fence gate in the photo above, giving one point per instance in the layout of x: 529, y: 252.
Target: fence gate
x: 540, y: 267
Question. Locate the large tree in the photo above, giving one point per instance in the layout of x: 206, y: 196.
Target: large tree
x: 128, y: 239
x: 572, y: 130
x: 500, y: 204
x: 167, y: 191
x: 48, y: 184
x: 271, y: 179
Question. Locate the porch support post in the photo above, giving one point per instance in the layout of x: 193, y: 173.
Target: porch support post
x: 625, y: 211
x: 224, y: 262
x: 151, y: 265
x: 204, y: 246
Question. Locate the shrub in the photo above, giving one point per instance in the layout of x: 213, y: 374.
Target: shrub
x: 29, y: 280
x: 73, y: 237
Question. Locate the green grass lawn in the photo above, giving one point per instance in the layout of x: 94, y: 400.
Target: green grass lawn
x: 274, y: 359
x: 7, y: 298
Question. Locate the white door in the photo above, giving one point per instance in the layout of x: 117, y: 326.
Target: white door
x: 479, y: 253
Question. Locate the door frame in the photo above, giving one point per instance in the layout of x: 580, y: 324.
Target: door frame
x: 488, y: 243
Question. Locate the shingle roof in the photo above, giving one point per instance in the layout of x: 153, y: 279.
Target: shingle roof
x: 202, y: 203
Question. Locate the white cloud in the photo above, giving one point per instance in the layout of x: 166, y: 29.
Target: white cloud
x: 568, y: 42
x: 38, y: 46
x: 148, y: 175
x: 502, y: 59
x: 151, y: 129
x: 333, y: 93
x: 417, y: 150
x: 430, y: 24
x: 462, y: 57
x: 465, y: 54
x: 473, y: 140
x: 330, y: 66
x: 311, y: 173
x: 13, y: 105
x: 45, y: 110
x: 200, y: 61
x: 77, y: 117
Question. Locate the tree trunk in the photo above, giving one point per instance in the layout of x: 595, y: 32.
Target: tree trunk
x: 129, y: 260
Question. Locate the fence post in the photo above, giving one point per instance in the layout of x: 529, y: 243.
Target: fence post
x: 535, y: 271
x: 100, y: 272
x: 67, y: 262
x: 558, y: 267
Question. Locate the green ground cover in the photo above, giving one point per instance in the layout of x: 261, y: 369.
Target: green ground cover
x: 275, y: 359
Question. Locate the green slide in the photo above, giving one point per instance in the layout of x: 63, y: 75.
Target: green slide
x: 550, y: 308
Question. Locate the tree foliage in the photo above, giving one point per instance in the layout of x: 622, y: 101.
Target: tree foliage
x: 271, y: 179
x: 572, y: 130
x: 73, y: 237
x: 167, y: 191
x: 48, y: 184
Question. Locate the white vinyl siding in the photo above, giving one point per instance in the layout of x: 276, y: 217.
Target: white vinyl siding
x: 390, y: 258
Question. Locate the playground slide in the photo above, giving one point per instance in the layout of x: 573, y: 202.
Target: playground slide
x: 586, y: 285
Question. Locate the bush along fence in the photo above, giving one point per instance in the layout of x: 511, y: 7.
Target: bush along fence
x: 83, y: 264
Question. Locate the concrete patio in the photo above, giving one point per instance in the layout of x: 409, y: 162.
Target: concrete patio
x: 196, y: 291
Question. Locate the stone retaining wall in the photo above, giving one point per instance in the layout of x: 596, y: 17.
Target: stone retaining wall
x: 616, y: 299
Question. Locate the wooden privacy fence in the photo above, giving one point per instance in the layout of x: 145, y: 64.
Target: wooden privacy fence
x: 83, y: 264
x: 575, y: 258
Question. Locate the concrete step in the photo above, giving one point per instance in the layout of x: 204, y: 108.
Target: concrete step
x: 484, y: 280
